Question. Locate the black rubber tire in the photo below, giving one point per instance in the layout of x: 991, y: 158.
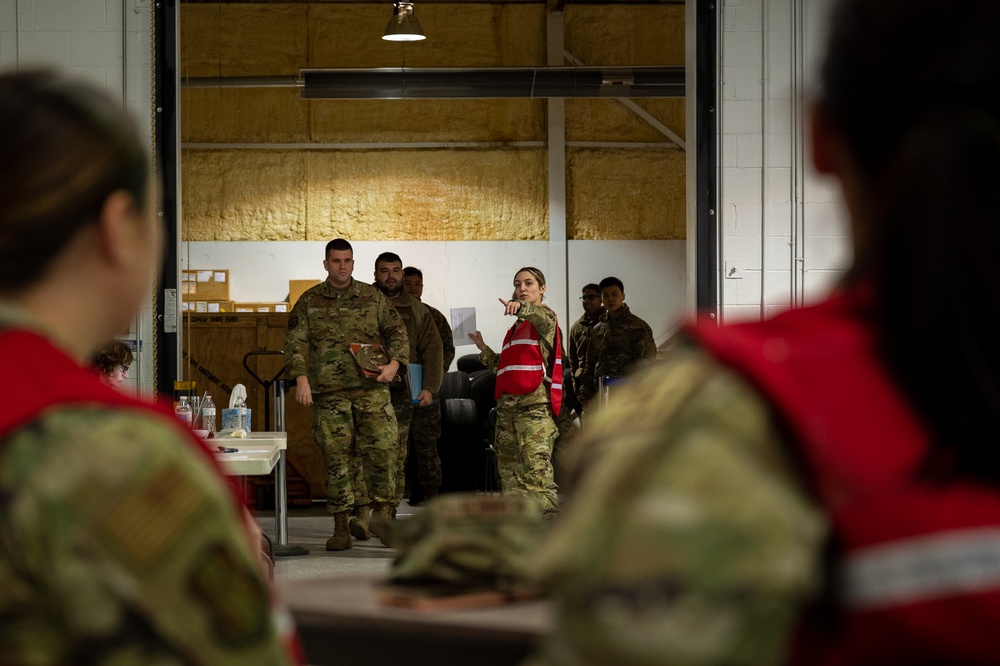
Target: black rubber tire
x: 481, y: 388
x: 455, y: 384
x: 470, y: 363
x: 460, y: 440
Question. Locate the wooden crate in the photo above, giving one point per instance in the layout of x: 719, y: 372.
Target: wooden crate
x: 213, y: 349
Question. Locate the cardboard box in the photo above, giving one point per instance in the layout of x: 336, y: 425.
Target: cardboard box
x: 297, y: 287
x: 205, y: 285
x: 262, y: 307
x: 209, y: 307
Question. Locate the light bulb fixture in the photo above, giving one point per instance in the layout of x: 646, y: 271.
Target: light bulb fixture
x: 403, y: 26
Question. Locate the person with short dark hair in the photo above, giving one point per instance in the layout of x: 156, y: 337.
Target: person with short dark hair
x: 120, y: 541
x: 112, y: 362
x: 622, y: 343
x: 353, y: 415
x: 425, y: 349
x: 823, y: 487
x: 426, y: 426
x: 580, y: 338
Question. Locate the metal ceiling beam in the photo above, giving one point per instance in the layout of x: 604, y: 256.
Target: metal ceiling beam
x: 492, y: 83
x: 465, y: 83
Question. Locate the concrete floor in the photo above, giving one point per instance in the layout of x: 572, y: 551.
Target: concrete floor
x: 311, y: 527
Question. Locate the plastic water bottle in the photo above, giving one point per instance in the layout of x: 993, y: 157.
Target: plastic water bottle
x: 242, y: 422
x: 208, y: 415
x: 183, y: 411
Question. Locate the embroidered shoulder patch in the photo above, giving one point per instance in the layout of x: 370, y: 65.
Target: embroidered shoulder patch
x: 234, y: 598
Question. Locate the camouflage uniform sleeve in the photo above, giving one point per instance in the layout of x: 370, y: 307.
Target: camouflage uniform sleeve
x: 645, y: 347
x: 430, y: 355
x: 392, y: 330
x: 544, y: 321
x: 297, y: 339
x: 573, y: 356
x: 489, y: 358
x: 130, y: 550
x: 690, y: 540
x: 586, y: 376
x: 447, y: 341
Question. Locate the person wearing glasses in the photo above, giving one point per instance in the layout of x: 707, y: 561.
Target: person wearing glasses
x: 580, y: 335
x: 112, y: 362
x: 121, y: 542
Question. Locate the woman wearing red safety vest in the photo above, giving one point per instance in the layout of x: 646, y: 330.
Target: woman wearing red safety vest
x: 823, y: 487
x: 120, y: 542
x: 528, y: 392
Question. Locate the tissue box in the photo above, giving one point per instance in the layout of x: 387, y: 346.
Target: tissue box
x: 230, y: 420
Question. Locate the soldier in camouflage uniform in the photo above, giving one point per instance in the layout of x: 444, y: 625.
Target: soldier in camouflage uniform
x: 425, y: 349
x: 120, y: 543
x: 353, y: 415
x: 580, y: 335
x: 425, y: 429
x: 686, y: 474
x: 622, y: 343
x: 526, y: 429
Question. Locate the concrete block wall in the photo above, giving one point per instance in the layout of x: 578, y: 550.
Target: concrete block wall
x: 107, y: 42
x: 768, y: 260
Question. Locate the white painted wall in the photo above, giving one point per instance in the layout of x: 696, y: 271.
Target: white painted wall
x: 760, y: 143
x: 108, y: 43
x: 470, y: 274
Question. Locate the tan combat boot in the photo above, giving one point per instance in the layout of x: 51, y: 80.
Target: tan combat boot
x: 359, y: 523
x: 341, y: 539
x: 381, y: 523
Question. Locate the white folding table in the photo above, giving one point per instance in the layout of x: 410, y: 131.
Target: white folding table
x: 259, y: 455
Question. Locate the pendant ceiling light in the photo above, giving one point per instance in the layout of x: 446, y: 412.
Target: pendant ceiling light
x: 403, y: 26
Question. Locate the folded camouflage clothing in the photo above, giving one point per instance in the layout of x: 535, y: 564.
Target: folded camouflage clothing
x: 462, y: 543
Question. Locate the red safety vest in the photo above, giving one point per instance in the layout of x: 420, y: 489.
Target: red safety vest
x: 38, y: 376
x: 521, y: 368
x: 918, y: 563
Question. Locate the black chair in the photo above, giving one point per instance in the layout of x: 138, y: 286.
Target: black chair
x: 470, y: 363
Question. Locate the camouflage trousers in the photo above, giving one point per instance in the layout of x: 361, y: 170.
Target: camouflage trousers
x: 563, y: 447
x: 525, y: 435
x: 356, y: 430
x: 425, y: 430
x: 404, y: 413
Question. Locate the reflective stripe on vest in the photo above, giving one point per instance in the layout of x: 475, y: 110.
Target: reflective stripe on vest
x: 911, y: 570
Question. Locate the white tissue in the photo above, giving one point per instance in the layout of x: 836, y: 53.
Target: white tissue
x: 238, y: 397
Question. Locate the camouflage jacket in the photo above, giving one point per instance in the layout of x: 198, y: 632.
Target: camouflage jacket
x: 622, y: 344
x: 425, y: 341
x: 580, y: 364
x: 690, y: 538
x: 323, y: 324
x: 447, y: 339
x: 120, y: 545
x: 543, y: 318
